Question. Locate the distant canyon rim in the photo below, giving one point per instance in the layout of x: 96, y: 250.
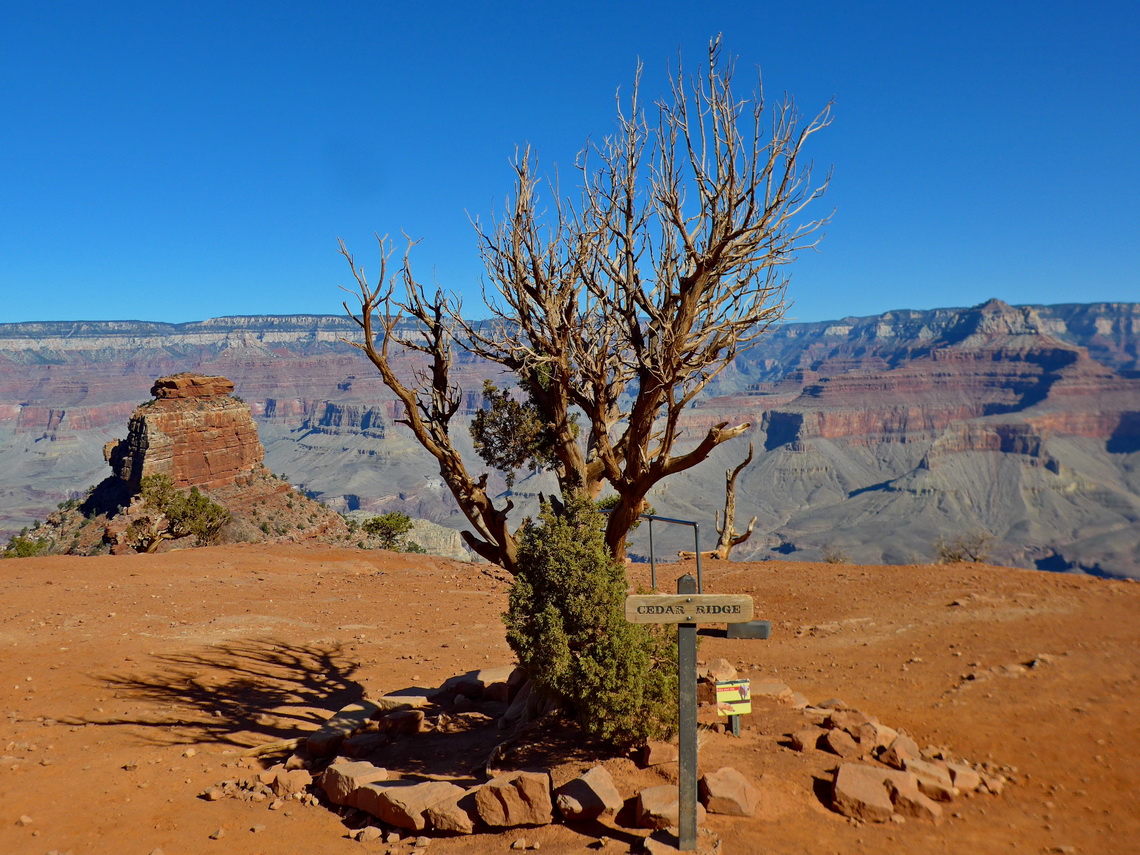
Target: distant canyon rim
x: 874, y: 436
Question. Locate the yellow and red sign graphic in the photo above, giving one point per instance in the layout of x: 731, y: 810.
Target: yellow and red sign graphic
x: 733, y: 697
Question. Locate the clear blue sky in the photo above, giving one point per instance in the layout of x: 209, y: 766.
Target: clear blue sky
x: 178, y: 161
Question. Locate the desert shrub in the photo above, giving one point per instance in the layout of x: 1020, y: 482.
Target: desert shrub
x: 26, y: 547
x: 972, y: 546
x: 834, y: 554
x: 174, y: 514
x: 566, y: 624
x: 390, y: 529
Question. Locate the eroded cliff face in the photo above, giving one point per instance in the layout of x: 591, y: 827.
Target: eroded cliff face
x: 875, y: 433
x: 193, y: 431
x: 996, y: 367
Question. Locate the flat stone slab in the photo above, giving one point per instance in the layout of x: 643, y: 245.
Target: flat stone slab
x: 405, y: 803
x: 327, y: 740
x: 414, y: 697
x: 343, y: 777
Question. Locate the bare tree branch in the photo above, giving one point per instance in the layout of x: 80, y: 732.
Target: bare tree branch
x: 622, y: 306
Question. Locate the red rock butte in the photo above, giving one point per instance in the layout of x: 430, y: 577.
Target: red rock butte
x: 193, y: 431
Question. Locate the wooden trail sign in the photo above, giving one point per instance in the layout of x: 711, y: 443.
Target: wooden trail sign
x: 688, y: 608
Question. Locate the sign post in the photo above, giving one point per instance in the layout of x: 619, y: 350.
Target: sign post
x: 687, y: 726
x: 687, y: 608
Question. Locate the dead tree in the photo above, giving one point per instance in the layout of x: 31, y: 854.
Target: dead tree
x: 615, y: 311
x: 729, y: 536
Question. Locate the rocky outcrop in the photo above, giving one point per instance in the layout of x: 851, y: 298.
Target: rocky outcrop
x: 193, y: 431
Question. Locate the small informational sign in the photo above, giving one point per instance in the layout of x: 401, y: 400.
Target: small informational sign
x: 733, y: 697
x: 688, y: 608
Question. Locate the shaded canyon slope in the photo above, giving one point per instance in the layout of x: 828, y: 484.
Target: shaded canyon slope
x: 874, y: 436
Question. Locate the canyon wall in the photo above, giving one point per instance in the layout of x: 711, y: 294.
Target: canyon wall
x: 874, y: 435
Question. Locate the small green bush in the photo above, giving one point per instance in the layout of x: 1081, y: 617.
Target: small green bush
x: 390, y: 529
x: 566, y: 624
x: 175, y: 514
x: 26, y: 547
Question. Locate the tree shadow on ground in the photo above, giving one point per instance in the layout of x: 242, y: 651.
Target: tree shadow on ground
x: 243, y: 693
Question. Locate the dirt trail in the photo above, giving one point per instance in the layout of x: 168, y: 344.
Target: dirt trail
x: 128, y: 685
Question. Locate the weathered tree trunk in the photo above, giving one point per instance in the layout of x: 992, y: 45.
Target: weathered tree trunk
x: 729, y: 537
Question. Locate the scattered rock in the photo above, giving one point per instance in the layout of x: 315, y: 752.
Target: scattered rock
x: 657, y: 807
x: 884, y: 736
x: 454, y: 816
x: 404, y: 805
x: 773, y: 689
x: 657, y: 753
x: 993, y: 784
x: 405, y: 721
x: 727, y: 791
x: 719, y: 670
x: 518, y: 798
x: 327, y: 740
x: 965, y: 779
x: 289, y: 782
x: 368, y: 834
x: 859, y: 792
x: 24, y: 820
x: 219, y: 834
x: 901, y: 749
x: 840, y: 742
x: 847, y: 720
x: 590, y: 796
x: 342, y: 778
x: 405, y: 699
x: 519, y: 844
x: 909, y: 800
x: 807, y: 739
x: 364, y: 744
x: 934, y: 780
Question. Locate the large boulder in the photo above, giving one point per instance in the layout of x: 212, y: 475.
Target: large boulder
x: 727, y: 791
x: 343, y: 777
x: 860, y: 792
x: 404, y: 804
x: 517, y: 798
x: 658, y: 807
x: 589, y: 796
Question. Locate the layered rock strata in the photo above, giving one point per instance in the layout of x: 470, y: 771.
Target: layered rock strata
x: 193, y: 431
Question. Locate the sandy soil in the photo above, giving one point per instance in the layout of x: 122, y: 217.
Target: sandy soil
x: 128, y: 685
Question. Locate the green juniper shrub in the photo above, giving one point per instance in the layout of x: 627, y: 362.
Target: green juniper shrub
x: 390, y: 529
x: 175, y: 515
x: 566, y: 624
x: 26, y: 547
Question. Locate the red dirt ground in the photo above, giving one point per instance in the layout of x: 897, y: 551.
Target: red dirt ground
x: 114, y: 669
